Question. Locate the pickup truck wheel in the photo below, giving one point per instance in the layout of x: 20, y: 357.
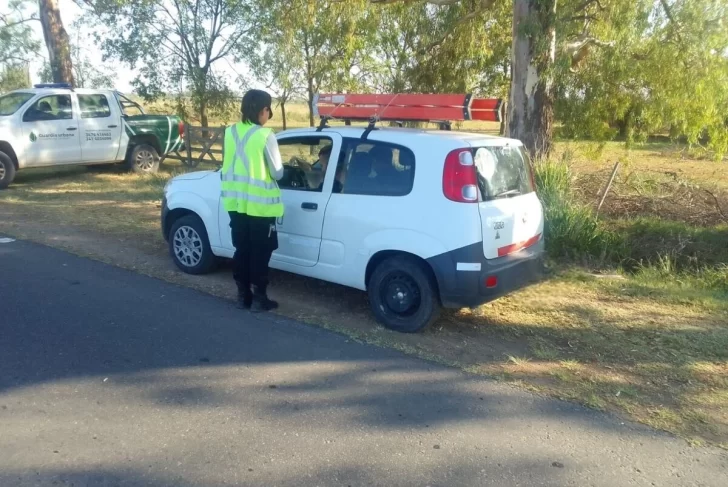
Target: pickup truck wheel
x: 190, y: 247
x: 7, y: 170
x: 143, y: 159
x: 403, y: 296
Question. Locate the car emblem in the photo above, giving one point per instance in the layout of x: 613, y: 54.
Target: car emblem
x: 33, y: 137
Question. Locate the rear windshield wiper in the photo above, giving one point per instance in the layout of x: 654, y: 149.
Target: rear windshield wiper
x: 510, y: 192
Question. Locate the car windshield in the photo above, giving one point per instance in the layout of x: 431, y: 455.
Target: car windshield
x: 503, y: 172
x: 11, y: 102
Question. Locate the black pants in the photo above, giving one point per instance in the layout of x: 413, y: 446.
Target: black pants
x: 255, y: 238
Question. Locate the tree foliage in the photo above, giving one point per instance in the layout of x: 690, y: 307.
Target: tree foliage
x: 448, y: 48
x: 668, y: 73
x: 17, y: 46
x: 317, y: 45
x: 601, y: 67
x: 278, y: 66
x: 176, y: 45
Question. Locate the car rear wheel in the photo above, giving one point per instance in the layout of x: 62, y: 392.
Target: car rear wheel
x: 190, y: 247
x: 7, y: 170
x: 143, y: 159
x: 403, y: 295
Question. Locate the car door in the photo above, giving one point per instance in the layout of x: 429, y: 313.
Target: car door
x: 305, y: 191
x: 50, y: 125
x: 100, y: 128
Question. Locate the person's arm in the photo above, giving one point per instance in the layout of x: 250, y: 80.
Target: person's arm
x: 273, y: 157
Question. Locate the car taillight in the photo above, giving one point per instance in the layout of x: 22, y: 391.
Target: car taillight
x: 181, y: 127
x: 459, y: 179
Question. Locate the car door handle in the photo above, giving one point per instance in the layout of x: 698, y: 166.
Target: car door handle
x: 71, y: 128
x: 113, y: 126
x: 309, y: 206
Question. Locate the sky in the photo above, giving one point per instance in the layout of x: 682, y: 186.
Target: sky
x: 70, y: 12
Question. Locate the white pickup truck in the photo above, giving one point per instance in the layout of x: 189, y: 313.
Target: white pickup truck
x: 54, y: 125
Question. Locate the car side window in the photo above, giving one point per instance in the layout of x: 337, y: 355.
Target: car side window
x: 304, y: 161
x: 377, y: 169
x: 94, y: 106
x: 49, y: 108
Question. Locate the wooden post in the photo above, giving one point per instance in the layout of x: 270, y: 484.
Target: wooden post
x: 609, y: 186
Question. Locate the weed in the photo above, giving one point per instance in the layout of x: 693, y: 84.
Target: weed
x: 571, y: 229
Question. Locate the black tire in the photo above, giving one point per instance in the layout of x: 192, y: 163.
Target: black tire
x: 7, y: 170
x: 143, y: 159
x: 187, y: 234
x: 403, y: 295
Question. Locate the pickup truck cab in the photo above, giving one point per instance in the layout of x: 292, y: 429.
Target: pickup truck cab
x: 55, y: 125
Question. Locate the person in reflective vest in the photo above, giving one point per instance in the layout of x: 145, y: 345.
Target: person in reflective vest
x: 251, y: 166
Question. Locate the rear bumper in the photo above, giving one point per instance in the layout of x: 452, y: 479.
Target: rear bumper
x: 468, y: 288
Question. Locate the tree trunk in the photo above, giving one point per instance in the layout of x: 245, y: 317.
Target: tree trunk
x: 531, y: 103
x: 283, y: 114
x: 204, y: 122
x: 203, y: 114
x: 57, y: 42
x: 310, y: 103
x: 503, y: 129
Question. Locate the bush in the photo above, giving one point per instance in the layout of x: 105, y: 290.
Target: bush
x: 653, y: 249
x: 572, y: 231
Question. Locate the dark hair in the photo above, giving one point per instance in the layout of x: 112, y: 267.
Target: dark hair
x: 253, y: 102
x: 325, y: 150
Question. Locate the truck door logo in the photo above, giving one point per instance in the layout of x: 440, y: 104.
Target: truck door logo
x: 33, y: 137
x: 499, y: 225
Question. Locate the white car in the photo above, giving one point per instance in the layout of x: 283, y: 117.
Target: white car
x: 417, y: 218
x: 55, y: 125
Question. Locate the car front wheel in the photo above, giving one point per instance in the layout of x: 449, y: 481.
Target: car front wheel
x: 403, y: 295
x: 7, y: 170
x: 190, y: 247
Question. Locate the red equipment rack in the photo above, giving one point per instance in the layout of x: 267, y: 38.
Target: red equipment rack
x: 407, y: 107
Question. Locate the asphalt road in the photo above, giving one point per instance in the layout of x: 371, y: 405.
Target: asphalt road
x: 109, y: 378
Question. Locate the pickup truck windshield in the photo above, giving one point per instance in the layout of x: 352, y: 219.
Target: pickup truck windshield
x: 503, y: 172
x: 11, y: 102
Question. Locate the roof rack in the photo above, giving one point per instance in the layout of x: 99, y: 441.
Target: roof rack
x: 66, y: 86
x: 125, y: 102
x: 440, y: 109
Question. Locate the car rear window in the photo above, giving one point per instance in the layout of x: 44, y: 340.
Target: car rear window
x: 11, y: 102
x: 503, y: 172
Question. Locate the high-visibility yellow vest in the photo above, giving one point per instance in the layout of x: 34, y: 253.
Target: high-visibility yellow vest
x: 247, y: 186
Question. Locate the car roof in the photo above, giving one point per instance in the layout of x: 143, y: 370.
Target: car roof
x: 405, y: 133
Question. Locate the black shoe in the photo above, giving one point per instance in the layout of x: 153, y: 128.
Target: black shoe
x: 262, y: 304
x: 245, y: 301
